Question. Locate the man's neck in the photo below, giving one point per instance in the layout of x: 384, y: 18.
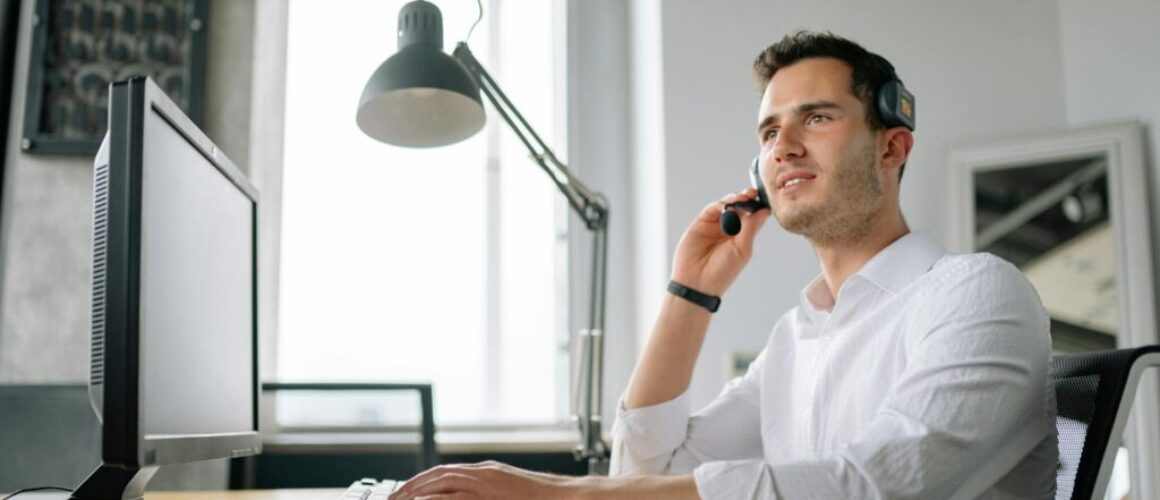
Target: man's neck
x: 841, y: 259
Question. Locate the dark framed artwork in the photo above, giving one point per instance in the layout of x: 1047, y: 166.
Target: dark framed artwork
x: 9, y: 26
x: 80, y: 46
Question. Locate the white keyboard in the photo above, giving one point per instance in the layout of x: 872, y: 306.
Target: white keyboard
x: 370, y: 489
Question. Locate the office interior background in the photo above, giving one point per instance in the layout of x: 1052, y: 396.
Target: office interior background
x: 462, y: 266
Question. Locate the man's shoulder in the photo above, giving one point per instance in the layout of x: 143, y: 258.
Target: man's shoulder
x: 974, y: 289
x: 974, y: 266
x: 961, y: 283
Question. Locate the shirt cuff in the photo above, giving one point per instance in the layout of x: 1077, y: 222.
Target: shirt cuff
x: 651, y: 431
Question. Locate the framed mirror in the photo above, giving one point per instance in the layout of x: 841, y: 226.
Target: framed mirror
x: 1070, y: 210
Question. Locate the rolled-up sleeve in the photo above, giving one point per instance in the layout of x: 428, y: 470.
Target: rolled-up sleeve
x: 968, y: 408
x: 665, y: 439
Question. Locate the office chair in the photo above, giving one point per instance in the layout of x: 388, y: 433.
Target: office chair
x: 1094, y: 393
x: 334, y: 467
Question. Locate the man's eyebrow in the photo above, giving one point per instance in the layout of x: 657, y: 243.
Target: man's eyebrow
x: 800, y: 109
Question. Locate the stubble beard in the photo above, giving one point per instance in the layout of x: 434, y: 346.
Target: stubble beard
x: 846, y: 215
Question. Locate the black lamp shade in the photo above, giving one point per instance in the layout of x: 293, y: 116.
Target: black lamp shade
x: 420, y: 97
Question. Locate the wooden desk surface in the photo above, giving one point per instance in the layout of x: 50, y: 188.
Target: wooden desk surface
x: 292, y: 494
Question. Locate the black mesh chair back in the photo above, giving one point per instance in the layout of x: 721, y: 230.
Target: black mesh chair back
x: 1093, y: 392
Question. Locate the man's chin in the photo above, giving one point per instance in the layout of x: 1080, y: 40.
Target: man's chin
x: 796, y: 221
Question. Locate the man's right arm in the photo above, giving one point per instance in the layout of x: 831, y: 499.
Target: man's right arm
x: 666, y: 366
x: 653, y: 422
x: 707, y: 260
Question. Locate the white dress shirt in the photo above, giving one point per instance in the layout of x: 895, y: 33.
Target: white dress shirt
x: 927, y: 378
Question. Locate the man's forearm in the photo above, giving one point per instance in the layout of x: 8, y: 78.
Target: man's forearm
x: 666, y: 367
x: 637, y: 487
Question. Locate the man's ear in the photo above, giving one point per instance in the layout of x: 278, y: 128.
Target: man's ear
x: 896, y: 144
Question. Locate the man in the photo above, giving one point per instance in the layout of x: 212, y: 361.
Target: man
x: 905, y: 372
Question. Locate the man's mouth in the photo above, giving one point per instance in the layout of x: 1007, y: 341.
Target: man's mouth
x: 794, y: 182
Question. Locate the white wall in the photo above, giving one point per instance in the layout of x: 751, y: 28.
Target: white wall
x: 1111, y: 71
x: 979, y: 69
x: 597, y: 148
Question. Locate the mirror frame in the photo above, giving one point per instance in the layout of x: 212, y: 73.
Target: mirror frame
x: 1121, y: 144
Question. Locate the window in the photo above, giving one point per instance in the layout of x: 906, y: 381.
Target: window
x: 442, y: 265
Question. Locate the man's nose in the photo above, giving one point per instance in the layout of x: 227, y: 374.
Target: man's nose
x: 787, y: 146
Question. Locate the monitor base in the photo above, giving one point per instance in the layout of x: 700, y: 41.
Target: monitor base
x: 115, y: 483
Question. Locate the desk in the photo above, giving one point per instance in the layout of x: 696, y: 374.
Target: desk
x: 296, y: 494
x: 329, y: 459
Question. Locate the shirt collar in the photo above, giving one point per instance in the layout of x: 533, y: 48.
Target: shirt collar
x: 891, y: 269
x: 816, y: 299
x: 902, y: 262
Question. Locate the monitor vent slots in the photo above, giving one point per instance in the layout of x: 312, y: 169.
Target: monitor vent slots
x: 100, y: 242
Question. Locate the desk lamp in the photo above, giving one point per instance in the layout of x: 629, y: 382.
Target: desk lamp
x: 421, y: 97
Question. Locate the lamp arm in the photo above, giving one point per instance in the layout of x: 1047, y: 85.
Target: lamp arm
x: 589, y: 205
x: 592, y: 208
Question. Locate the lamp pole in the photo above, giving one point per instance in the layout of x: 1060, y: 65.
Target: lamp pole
x: 592, y: 208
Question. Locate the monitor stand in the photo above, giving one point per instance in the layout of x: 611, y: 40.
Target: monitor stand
x: 115, y: 483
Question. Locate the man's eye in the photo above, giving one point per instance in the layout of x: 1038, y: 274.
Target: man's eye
x: 818, y: 118
x: 770, y: 135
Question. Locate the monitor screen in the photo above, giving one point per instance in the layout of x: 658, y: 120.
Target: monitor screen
x: 196, y: 288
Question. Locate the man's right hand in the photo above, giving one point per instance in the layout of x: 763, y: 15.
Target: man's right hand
x: 709, y: 260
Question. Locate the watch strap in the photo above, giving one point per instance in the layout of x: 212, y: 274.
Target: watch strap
x: 710, y: 302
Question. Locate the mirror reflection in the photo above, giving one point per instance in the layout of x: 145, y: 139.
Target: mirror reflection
x: 1052, y: 221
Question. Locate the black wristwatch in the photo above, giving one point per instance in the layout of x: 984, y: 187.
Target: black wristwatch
x: 710, y: 302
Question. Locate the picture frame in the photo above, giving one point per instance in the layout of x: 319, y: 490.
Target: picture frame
x: 79, y: 47
x: 9, y: 27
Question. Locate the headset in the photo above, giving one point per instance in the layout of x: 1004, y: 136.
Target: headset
x: 895, y: 107
x: 895, y: 103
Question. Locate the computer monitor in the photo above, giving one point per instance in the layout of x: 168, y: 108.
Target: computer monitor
x: 174, y: 374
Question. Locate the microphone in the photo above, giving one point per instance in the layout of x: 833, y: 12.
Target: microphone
x: 731, y: 222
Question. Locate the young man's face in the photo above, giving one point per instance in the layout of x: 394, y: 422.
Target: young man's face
x: 818, y: 153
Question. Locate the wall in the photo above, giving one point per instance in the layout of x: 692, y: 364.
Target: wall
x: 46, y: 229
x: 46, y: 224
x: 978, y: 70
x: 1110, y: 54
x: 597, y: 146
x: 45, y: 246
x: 1110, y: 72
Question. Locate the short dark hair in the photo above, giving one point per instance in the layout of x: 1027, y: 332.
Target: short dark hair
x: 869, y: 71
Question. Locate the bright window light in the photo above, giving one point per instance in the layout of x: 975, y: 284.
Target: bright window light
x: 420, y: 265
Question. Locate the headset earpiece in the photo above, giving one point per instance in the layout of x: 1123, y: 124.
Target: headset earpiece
x: 896, y: 105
